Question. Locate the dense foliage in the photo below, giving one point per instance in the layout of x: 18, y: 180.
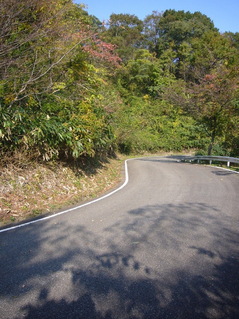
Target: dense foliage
x: 71, y: 86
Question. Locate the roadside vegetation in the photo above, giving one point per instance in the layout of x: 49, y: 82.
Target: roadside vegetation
x: 32, y: 189
x: 75, y: 91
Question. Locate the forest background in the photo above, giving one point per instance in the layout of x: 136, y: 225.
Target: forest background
x: 76, y: 90
x: 71, y: 86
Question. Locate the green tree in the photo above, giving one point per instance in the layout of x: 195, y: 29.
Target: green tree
x: 36, y: 39
x: 152, y: 30
x: 210, y: 52
x: 144, y: 75
x: 124, y: 31
x: 182, y: 26
x: 49, y: 107
x: 173, y: 33
x: 233, y: 37
x: 213, y: 102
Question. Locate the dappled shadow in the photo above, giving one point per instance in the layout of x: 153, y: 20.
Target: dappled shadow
x: 160, y: 261
x: 192, y: 297
x: 83, y: 307
x: 202, y: 251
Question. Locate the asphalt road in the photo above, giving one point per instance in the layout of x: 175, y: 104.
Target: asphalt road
x: 164, y: 246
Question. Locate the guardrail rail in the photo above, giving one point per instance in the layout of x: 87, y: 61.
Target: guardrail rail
x: 198, y: 158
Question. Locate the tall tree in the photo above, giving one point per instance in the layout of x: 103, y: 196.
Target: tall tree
x: 213, y: 101
x: 125, y: 31
x: 175, y: 30
x: 49, y: 49
x: 144, y: 75
x: 36, y: 38
x: 182, y: 26
x: 210, y: 52
x: 152, y: 31
x: 233, y: 37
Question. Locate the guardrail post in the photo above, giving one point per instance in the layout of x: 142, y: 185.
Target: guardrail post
x: 225, y: 159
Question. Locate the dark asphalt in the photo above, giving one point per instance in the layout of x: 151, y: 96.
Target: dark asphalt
x: 164, y: 246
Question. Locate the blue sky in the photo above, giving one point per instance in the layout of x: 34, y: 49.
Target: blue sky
x: 224, y: 13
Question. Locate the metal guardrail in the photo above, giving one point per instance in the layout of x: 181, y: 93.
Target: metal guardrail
x: 226, y: 159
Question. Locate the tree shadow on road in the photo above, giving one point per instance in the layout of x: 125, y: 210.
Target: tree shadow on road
x: 168, y: 261
x: 224, y: 172
x: 192, y: 297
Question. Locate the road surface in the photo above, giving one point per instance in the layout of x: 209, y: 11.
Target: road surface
x: 164, y: 246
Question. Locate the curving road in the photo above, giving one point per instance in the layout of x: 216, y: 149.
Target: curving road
x: 164, y: 246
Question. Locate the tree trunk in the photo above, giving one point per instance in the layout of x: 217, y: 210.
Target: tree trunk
x: 209, y: 152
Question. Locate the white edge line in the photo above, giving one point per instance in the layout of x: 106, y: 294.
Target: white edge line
x: 88, y: 203
x: 73, y: 208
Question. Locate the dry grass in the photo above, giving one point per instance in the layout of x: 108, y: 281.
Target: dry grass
x: 29, y: 189
x: 33, y: 189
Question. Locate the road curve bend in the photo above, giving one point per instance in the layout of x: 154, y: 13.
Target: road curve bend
x: 166, y: 245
